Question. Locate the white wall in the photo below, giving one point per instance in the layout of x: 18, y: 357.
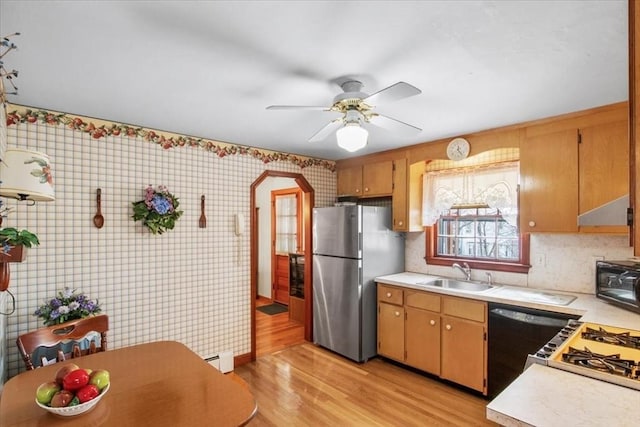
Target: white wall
x: 189, y: 284
x: 263, y: 201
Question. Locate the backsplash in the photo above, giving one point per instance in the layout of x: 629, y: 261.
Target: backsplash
x: 563, y: 262
x: 190, y: 284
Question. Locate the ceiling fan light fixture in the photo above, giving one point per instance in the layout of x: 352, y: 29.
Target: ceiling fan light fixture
x: 352, y: 137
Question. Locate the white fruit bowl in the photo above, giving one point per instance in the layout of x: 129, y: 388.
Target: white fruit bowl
x: 69, y: 411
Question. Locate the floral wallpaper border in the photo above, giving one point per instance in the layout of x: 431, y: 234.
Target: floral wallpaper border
x: 99, y: 129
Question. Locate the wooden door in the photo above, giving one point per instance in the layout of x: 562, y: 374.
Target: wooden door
x: 463, y: 352
x: 280, y: 290
x: 422, y: 329
x: 391, y: 331
x: 549, y: 182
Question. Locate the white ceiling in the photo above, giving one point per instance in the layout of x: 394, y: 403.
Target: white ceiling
x: 209, y: 69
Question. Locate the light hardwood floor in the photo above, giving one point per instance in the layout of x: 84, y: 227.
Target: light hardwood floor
x: 275, y: 332
x: 299, y: 384
x: 305, y: 385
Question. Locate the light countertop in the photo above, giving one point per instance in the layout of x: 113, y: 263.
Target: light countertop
x: 543, y: 395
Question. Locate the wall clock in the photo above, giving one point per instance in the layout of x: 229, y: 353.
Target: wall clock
x: 458, y: 149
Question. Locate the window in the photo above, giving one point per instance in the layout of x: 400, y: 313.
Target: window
x: 471, y: 214
x: 287, y: 224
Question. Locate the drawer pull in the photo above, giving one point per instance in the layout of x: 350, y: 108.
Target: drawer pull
x: 448, y: 327
x: 388, y: 294
x: 432, y: 322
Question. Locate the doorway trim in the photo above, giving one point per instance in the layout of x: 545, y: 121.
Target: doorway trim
x: 309, y: 203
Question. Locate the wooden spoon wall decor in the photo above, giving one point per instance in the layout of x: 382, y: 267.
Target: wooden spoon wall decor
x: 202, y: 222
x: 98, y: 219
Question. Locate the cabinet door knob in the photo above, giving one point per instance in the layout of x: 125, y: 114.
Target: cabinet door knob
x: 388, y: 294
x: 532, y: 223
x: 397, y: 314
x: 448, y: 327
x: 366, y: 188
x: 400, y: 223
x: 432, y: 322
x: 357, y: 190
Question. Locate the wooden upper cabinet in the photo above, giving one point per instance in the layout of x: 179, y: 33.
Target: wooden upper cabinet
x: 400, y: 201
x: 369, y: 180
x: 377, y: 179
x: 549, y: 182
x: 603, y: 171
x: 350, y: 181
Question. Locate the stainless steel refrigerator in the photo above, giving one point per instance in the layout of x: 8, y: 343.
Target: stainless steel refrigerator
x: 351, y: 246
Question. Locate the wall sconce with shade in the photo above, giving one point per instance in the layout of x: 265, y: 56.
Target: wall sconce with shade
x: 24, y: 175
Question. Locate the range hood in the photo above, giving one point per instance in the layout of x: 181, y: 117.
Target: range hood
x: 612, y: 213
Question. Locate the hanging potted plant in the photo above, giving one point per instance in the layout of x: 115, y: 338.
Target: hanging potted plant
x: 13, y: 243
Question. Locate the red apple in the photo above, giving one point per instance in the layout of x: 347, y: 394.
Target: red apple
x: 64, y: 371
x: 75, y: 380
x: 61, y: 399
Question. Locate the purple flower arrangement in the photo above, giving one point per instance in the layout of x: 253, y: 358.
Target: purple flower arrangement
x: 66, y: 306
x: 158, y: 211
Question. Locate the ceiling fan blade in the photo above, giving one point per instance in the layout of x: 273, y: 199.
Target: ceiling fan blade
x: 331, y: 127
x: 296, y: 107
x: 393, y: 125
x: 394, y: 92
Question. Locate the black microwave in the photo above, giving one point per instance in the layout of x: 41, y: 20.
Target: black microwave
x: 619, y: 283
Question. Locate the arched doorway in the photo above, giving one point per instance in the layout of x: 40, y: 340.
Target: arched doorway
x: 309, y: 203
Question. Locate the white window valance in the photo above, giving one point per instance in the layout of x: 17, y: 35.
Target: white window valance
x: 494, y: 185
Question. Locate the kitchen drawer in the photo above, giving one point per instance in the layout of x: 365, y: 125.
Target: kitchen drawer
x: 465, y: 309
x: 390, y: 295
x: 423, y: 300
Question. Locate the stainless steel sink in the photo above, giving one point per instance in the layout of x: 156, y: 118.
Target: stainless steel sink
x: 457, y: 284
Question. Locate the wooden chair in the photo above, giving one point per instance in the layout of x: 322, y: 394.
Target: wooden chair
x: 65, y: 339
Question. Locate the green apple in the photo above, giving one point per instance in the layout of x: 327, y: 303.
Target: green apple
x: 61, y: 399
x: 45, y: 392
x: 99, y: 378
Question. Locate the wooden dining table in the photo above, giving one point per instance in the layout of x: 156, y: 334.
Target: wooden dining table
x: 161, y: 383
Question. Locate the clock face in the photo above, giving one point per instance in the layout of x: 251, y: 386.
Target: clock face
x: 458, y: 149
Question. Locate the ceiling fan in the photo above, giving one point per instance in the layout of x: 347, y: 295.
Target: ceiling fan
x: 357, y: 109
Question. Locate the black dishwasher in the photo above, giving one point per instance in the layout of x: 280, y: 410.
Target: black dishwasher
x: 514, y: 333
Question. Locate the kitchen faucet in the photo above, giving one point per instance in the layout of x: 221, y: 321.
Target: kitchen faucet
x: 466, y: 269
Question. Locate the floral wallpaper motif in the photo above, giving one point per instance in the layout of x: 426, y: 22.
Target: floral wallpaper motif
x: 220, y: 149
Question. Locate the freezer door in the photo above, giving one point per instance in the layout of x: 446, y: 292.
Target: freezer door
x: 336, y: 305
x: 336, y: 231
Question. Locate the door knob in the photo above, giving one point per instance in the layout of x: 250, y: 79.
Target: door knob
x: 397, y: 314
x: 388, y: 294
x: 432, y: 322
x: 448, y: 327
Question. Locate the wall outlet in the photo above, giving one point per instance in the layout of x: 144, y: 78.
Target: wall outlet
x: 540, y: 260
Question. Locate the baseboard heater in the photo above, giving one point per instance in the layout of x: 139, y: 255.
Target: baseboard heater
x: 222, y: 361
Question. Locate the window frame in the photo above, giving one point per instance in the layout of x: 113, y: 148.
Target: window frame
x: 521, y: 266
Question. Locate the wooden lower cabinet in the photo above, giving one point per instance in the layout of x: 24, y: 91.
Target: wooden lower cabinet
x: 463, y: 352
x: 438, y: 334
x: 391, y: 331
x: 422, y: 340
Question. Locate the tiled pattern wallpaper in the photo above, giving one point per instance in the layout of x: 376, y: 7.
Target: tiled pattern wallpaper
x: 190, y: 284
